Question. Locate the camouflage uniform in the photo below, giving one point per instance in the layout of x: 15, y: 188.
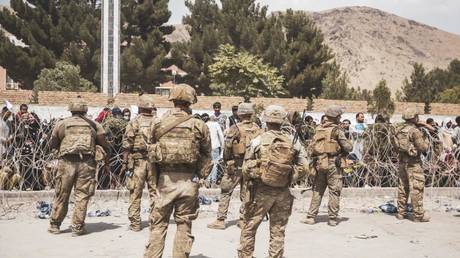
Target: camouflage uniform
x: 178, y: 183
x: 76, y: 166
x: 328, y: 173
x: 135, y: 140
x: 8, y: 179
x: 276, y: 202
x: 411, y: 177
x: 233, y: 176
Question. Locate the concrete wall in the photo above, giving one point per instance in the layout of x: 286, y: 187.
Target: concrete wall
x: 47, y: 98
x: 2, y: 79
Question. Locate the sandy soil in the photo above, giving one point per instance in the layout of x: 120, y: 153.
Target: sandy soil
x: 23, y: 235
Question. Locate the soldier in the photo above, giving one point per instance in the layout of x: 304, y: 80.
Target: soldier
x: 328, y: 146
x: 182, y: 154
x: 236, y: 140
x: 272, y: 162
x: 411, y: 178
x: 140, y: 170
x: 76, y: 138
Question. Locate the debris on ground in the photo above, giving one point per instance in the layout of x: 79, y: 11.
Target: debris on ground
x: 44, y: 209
x: 388, y: 208
x: 364, y: 236
x: 99, y: 213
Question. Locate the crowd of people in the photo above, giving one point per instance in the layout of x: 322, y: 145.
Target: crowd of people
x: 28, y: 163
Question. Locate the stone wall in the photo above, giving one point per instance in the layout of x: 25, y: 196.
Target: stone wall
x: 48, y: 98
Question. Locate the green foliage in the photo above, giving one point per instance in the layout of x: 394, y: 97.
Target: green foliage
x: 290, y: 42
x: 145, y: 48
x: 381, y: 101
x: 450, y: 95
x: 51, y: 31
x: 236, y: 73
x: 419, y: 88
x: 64, y: 77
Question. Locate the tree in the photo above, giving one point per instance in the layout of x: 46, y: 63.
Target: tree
x: 450, y: 95
x: 64, y: 77
x: 51, y: 31
x: 335, y: 84
x: 242, y: 74
x: 419, y: 88
x: 381, y: 101
x: 144, y: 47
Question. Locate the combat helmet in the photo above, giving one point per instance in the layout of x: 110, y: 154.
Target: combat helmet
x: 245, y: 109
x: 334, y: 111
x: 274, y: 114
x: 145, y: 102
x: 409, y: 114
x: 183, y: 92
x: 78, y: 105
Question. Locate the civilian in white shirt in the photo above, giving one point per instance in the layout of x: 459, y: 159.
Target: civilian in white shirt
x: 217, y: 143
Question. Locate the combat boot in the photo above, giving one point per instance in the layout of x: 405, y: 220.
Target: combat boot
x: 332, y: 222
x: 54, y: 229
x: 400, y: 216
x: 78, y: 232
x: 309, y: 221
x: 218, y: 224
x: 425, y: 218
x: 135, y: 228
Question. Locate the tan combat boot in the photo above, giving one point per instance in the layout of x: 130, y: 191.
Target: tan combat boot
x: 400, y: 216
x: 78, y: 232
x: 332, y: 222
x: 134, y: 228
x: 425, y: 218
x: 54, y: 229
x: 309, y: 221
x: 218, y: 224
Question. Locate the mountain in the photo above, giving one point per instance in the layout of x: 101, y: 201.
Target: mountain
x: 371, y: 45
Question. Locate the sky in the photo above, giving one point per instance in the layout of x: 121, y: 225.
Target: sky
x: 443, y: 14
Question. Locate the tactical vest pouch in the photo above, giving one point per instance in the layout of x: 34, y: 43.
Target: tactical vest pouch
x: 277, y: 168
x: 79, y: 139
x: 100, y: 154
x: 323, y: 162
x: 323, y: 143
x: 404, y: 143
x: 154, y: 153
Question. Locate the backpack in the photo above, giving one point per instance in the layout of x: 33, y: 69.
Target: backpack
x: 323, y: 143
x: 142, y: 135
x: 404, y: 143
x: 79, y: 138
x: 244, y: 135
x: 277, y: 157
x: 177, y: 145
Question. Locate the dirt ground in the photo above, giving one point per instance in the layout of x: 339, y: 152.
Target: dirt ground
x: 24, y: 235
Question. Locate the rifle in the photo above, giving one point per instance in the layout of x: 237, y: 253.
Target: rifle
x: 296, y: 134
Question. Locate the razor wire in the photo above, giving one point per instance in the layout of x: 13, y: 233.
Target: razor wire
x: 29, y: 156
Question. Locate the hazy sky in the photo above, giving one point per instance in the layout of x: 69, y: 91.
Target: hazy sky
x: 443, y: 14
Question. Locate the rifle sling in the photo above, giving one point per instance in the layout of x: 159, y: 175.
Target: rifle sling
x: 169, y: 126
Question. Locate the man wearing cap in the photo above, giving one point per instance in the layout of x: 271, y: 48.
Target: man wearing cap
x: 411, y: 178
x: 75, y: 138
x: 329, y: 144
x: 237, y: 138
x: 182, y: 154
x: 272, y: 162
x: 136, y: 165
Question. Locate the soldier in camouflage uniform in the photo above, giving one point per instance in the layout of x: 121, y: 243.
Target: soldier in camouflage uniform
x: 182, y: 154
x: 411, y: 178
x: 140, y: 171
x: 76, y: 138
x: 328, y: 145
x: 234, y: 149
x: 272, y: 163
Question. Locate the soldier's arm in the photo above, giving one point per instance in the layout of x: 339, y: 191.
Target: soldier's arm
x: 301, y: 162
x: 419, y: 142
x: 344, y: 143
x: 55, y: 139
x: 128, y: 141
x: 230, y: 136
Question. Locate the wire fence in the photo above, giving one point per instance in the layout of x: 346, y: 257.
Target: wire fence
x: 33, y: 165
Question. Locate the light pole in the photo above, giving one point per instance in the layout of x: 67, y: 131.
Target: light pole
x: 110, y: 71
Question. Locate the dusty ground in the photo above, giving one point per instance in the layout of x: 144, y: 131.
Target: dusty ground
x: 23, y: 235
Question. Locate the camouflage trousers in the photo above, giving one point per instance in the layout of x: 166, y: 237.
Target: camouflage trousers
x: 277, y: 203
x: 178, y: 194
x: 80, y: 175
x: 411, y: 183
x: 9, y: 181
x: 332, y: 179
x: 143, y: 172
x: 228, y: 184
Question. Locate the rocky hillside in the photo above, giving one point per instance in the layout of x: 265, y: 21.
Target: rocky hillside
x: 371, y: 44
